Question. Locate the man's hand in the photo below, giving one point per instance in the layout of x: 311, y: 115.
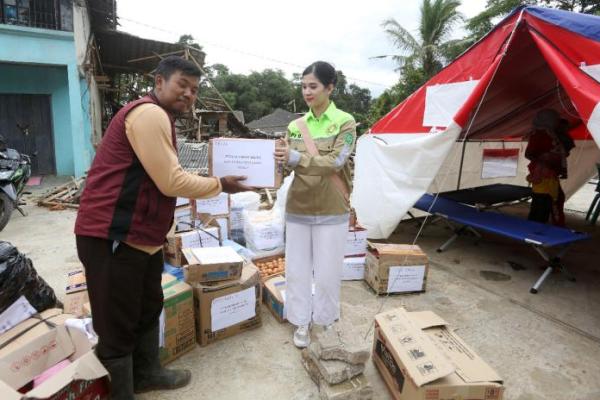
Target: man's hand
x: 282, y: 151
x: 232, y: 184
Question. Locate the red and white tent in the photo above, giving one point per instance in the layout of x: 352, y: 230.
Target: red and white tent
x: 479, y: 107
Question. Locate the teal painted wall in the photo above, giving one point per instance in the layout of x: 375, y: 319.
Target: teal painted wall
x: 26, y: 79
x: 41, y: 61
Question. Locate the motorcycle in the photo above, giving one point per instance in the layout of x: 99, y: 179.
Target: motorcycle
x: 15, y: 171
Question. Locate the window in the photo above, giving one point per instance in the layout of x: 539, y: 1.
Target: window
x: 15, y: 12
x: 47, y: 14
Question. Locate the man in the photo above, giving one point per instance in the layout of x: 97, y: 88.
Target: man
x: 125, y: 213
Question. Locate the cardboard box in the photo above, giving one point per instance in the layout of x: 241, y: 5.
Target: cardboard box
x: 396, y: 268
x: 356, y: 243
x: 227, y: 308
x: 184, y: 218
x: 209, y: 235
x: 218, y: 205
x: 35, y: 345
x: 419, y: 357
x: 353, y: 269
x: 212, y: 264
x: 274, y: 297
x: 178, y: 332
x: 76, y: 293
x: 270, y: 266
x: 252, y: 158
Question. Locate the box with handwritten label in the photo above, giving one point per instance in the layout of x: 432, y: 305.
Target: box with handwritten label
x: 224, y: 309
x: 396, y: 268
x: 253, y: 158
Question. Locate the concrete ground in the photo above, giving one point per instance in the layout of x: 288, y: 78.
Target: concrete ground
x: 545, y: 346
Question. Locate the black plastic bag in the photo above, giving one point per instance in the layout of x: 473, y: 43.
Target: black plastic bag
x: 19, y: 278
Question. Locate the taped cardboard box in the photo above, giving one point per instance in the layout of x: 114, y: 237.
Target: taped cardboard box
x: 353, y: 268
x: 184, y: 218
x: 227, y: 308
x: 209, y: 235
x: 396, y: 268
x: 419, y: 357
x: 252, y: 158
x: 356, y: 242
x: 177, y: 329
x: 76, y: 293
x: 218, y: 205
x: 212, y: 264
x: 274, y: 297
x: 37, y: 344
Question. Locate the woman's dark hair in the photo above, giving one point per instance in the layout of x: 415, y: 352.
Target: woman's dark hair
x: 324, y: 72
x: 169, y: 65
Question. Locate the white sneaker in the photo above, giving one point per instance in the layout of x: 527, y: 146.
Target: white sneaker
x: 302, y: 337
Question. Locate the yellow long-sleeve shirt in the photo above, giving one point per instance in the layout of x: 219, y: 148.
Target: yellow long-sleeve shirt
x: 148, y: 130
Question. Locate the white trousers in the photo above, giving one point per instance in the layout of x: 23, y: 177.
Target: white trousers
x: 314, y: 251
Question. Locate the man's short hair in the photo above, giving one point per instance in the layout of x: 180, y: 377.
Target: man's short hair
x: 171, y: 64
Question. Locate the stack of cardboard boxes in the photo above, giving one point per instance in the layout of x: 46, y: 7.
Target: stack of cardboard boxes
x: 198, y: 223
x: 354, y: 255
x: 226, y: 290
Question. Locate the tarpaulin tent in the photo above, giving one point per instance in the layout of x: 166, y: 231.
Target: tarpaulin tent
x: 437, y: 139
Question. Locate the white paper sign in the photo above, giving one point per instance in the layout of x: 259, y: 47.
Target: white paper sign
x: 182, y: 201
x: 499, y: 167
x: 232, y: 309
x: 356, y: 243
x: 406, y: 279
x: 197, y: 238
x: 251, y: 158
x: 218, y: 205
x: 161, y: 329
x: 353, y: 269
x: 216, y: 255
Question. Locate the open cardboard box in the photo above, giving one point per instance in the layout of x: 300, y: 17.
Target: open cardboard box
x: 419, y: 357
x: 37, y: 344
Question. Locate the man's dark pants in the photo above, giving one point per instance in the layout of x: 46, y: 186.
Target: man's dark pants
x: 125, y: 293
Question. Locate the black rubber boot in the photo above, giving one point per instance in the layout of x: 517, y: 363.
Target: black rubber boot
x: 148, y: 374
x: 121, y: 377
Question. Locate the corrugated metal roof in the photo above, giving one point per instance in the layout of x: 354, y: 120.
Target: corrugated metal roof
x: 118, y: 48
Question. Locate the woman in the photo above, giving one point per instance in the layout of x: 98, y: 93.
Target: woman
x: 317, y: 148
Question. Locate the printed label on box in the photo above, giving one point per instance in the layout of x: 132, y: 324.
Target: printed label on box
x: 232, y: 309
x: 354, y: 268
x: 406, y: 279
x: 218, y: 205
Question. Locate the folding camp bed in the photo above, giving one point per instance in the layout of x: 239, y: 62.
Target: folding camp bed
x: 541, y: 237
x: 490, y: 196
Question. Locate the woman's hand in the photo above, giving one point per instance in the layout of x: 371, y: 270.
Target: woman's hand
x: 282, y: 151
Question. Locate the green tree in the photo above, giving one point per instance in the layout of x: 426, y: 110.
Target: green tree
x: 411, y: 79
x: 188, y: 40
x: 427, y: 51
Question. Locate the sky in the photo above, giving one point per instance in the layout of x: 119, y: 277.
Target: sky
x: 255, y: 35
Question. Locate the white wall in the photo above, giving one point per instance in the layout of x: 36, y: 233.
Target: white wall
x: 82, y: 31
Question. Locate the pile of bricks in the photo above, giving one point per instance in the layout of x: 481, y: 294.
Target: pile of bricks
x: 335, y: 360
